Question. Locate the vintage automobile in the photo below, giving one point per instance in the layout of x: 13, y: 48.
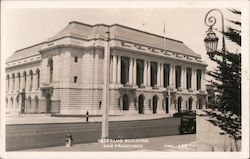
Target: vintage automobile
x: 184, y: 113
x: 188, y: 124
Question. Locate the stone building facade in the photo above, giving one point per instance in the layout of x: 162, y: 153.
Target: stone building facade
x: 149, y: 74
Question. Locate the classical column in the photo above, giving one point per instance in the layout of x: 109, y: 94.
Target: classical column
x: 11, y: 84
x: 35, y: 81
x: 173, y: 76
x: 22, y: 83
x: 194, y: 79
x: 170, y: 76
x: 110, y: 69
x: 114, y: 68
x: 16, y: 84
x: 149, y: 73
x: 119, y: 70
x: 184, y: 77
x: 161, y: 75
x: 145, y: 73
x: 130, y: 71
x: 203, y: 83
x: 28, y: 84
x: 134, y: 71
x: 158, y: 74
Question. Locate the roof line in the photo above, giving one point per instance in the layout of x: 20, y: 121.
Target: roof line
x: 146, y: 32
x: 30, y: 46
x: 125, y: 27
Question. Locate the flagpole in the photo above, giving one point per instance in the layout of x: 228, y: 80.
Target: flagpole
x: 164, y: 36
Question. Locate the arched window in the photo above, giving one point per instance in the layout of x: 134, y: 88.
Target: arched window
x: 200, y: 102
x: 155, y: 101
x: 50, y: 65
x: 38, y: 78
x: 141, y: 104
x: 190, y: 101
x: 167, y: 105
x: 11, y: 102
x: 179, y: 103
x: 125, y: 102
x: 36, y: 104
x: 17, y: 100
x: 6, y: 102
x: 31, y: 79
x: 29, y: 102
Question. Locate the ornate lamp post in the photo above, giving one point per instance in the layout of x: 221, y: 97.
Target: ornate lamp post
x: 105, y: 107
x: 211, y: 40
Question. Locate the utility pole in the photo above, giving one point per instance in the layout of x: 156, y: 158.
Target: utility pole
x: 105, y: 107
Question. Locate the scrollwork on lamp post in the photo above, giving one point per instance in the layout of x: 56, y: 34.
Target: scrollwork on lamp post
x: 211, y: 40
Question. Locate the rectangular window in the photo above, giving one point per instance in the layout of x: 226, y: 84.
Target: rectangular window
x: 75, y: 79
x: 76, y: 59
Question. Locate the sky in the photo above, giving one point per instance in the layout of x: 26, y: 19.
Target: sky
x: 24, y: 27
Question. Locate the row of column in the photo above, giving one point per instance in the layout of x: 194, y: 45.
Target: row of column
x: 22, y: 82
x: 115, y: 73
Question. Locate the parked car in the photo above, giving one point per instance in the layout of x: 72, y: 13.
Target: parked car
x: 188, y: 125
x: 184, y: 113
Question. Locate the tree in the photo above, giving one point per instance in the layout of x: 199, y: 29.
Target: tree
x: 227, y: 83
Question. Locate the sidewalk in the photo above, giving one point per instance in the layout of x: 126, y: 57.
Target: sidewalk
x: 163, y: 143
x: 46, y: 118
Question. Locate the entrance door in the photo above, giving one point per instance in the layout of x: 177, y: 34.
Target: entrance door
x: 141, y: 104
x: 190, y: 101
x: 155, y: 104
x: 48, y: 102
x: 179, y: 104
x: 167, y: 106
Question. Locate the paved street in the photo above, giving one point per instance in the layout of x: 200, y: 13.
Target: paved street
x: 26, y: 136
x: 164, y: 143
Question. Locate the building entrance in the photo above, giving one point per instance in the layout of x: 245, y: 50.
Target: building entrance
x: 155, y: 100
x: 167, y: 106
x: 141, y: 104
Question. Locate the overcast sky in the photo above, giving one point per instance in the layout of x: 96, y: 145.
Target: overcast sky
x: 25, y: 27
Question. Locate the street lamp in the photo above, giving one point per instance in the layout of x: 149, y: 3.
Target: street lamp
x: 105, y: 108
x: 211, y: 40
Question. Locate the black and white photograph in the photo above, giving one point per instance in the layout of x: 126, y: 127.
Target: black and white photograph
x: 129, y: 79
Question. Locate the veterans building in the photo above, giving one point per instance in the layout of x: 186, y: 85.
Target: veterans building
x: 149, y: 74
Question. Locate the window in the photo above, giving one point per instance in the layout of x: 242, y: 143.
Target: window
x: 38, y: 78
x: 189, y: 78
x: 166, y: 72
x: 139, y: 72
x: 50, y: 65
x: 198, y: 80
x: 125, y: 104
x: 75, y: 79
x: 76, y: 59
x: 31, y: 80
x: 124, y: 70
x: 153, y: 74
x: 177, y: 77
